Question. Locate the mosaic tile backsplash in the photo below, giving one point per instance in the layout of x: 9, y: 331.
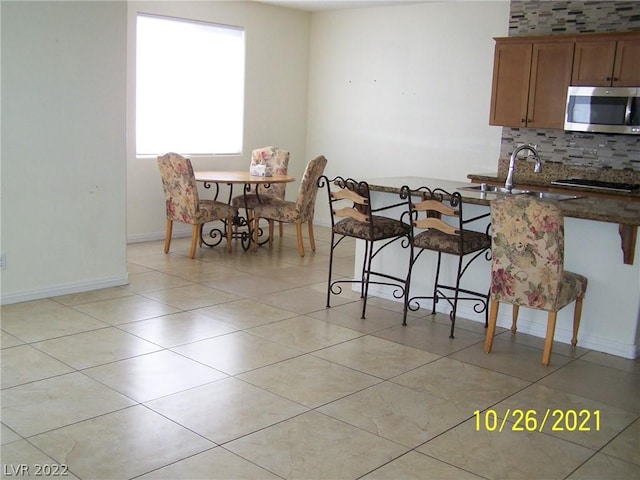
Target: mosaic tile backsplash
x: 557, y: 17
x: 570, y: 149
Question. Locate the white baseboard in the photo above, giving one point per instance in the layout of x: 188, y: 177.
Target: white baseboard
x: 64, y: 289
x: 534, y: 327
x: 155, y: 236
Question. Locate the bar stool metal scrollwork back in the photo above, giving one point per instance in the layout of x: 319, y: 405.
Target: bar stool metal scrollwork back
x: 430, y: 231
x: 352, y: 215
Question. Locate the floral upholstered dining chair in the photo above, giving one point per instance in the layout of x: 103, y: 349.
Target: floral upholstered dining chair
x: 183, y: 203
x: 275, y: 160
x: 298, y: 212
x: 528, y: 265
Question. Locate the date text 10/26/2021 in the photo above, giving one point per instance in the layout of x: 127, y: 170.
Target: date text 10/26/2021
x: 556, y: 420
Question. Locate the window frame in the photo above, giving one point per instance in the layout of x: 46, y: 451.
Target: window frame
x: 235, y: 88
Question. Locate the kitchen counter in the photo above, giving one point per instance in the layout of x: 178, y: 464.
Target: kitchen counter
x: 592, y: 241
x: 620, y: 208
x: 544, y: 184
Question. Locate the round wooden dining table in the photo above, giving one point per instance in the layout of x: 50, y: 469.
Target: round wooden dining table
x: 231, y: 178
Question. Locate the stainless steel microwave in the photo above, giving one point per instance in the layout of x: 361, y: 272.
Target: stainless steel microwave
x: 603, y: 109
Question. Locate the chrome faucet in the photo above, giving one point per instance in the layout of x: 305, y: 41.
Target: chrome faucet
x: 508, y: 184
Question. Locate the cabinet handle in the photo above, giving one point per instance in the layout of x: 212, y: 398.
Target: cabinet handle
x: 608, y: 79
x: 615, y: 79
x: 522, y: 120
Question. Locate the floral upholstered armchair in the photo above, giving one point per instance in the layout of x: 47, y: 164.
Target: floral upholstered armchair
x: 528, y: 264
x: 183, y: 204
x: 298, y: 212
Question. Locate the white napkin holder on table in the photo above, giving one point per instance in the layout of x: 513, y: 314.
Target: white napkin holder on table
x: 260, y: 171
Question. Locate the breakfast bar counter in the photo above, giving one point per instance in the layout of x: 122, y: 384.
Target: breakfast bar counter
x: 624, y: 209
x: 621, y: 209
x: 594, y: 225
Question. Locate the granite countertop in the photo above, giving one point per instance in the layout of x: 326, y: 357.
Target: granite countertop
x: 544, y: 183
x: 621, y: 209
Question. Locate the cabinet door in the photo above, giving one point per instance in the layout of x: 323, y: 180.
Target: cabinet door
x: 626, y: 70
x: 550, y: 77
x: 593, y: 63
x: 509, y: 91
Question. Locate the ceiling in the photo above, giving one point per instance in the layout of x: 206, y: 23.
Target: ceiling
x: 320, y: 5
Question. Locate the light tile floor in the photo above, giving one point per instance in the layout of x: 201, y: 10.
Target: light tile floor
x: 231, y: 367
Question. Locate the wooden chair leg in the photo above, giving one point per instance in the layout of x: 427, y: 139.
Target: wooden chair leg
x: 577, y: 314
x: 299, y: 234
x: 256, y: 225
x: 491, y: 329
x: 229, y: 233
x: 281, y: 227
x: 167, y: 236
x: 270, y: 232
x: 195, y: 235
x: 312, y: 239
x: 514, y: 319
x: 548, y: 342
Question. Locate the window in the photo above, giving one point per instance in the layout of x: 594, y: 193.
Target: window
x: 189, y: 87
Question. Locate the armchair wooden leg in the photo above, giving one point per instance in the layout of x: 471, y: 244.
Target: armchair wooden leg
x: 195, y: 235
x: 312, y: 239
x: 167, y: 236
x: 491, y: 329
x: 299, y: 234
x: 281, y: 227
x: 514, y: 319
x: 577, y: 314
x: 548, y: 342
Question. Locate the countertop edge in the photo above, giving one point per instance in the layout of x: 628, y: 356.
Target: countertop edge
x: 621, y: 209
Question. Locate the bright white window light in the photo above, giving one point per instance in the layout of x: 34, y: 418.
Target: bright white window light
x: 189, y: 87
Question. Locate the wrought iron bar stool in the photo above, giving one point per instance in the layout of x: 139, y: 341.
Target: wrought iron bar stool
x: 427, y: 210
x: 353, y: 215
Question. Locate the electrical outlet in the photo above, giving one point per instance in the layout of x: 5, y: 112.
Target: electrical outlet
x: 3, y: 261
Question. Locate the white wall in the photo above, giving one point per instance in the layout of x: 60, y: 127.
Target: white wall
x: 385, y: 90
x: 277, y: 56
x: 63, y: 147
x: 404, y: 90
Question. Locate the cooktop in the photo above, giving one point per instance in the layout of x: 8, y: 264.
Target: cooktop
x: 598, y: 184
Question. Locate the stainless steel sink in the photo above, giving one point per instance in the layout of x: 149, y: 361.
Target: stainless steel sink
x: 493, y: 189
x: 553, y: 196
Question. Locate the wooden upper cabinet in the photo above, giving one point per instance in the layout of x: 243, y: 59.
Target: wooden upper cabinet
x: 510, y: 88
x: 530, y: 80
x: 604, y: 62
x: 550, y: 79
x: 626, y: 68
